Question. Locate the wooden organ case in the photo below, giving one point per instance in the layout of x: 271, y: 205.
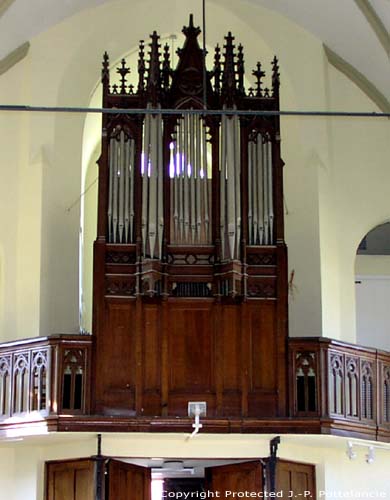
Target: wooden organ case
x: 190, y: 283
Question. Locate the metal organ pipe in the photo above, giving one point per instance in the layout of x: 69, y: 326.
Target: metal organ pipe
x: 121, y: 188
x: 160, y: 206
x: 205, y: 183
x: 260, y: 195
x: 152, y: 187
x: 189, y: 183
x: 230, y: 187
x: 121, y: 180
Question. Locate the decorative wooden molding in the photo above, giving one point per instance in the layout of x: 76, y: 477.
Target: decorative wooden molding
x: 358, y: 79
x: 376, y: 23
x: 4, y: 5
x: 13, y: 57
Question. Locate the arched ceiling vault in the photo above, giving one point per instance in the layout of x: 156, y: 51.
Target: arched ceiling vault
x: 355, y: 31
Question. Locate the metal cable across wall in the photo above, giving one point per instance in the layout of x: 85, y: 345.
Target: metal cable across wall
x: 208, y: 112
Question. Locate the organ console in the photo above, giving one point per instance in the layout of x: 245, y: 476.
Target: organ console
x: 190, y: 284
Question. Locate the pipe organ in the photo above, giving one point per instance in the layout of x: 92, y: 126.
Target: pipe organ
x: 190, y: 287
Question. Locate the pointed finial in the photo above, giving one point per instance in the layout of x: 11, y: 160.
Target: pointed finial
x: 190, y: 30
x: 106, y: 69
x: 141, y: 67
x: 229, y: 74
x: 153, y: 86
x: 275, y: 77
x: 217, y: 69
x: 258, y: 73
x: 166, y: 69
x: 240, y: 69
x: 123, y: 70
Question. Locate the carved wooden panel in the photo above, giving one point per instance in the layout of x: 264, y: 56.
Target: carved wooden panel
x: 367, y: 389
x: 305, y: 382
x: 336, y: 383
x: 39, y: 380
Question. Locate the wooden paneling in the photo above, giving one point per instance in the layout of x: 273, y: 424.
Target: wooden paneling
x: 151, y: 362
x: 190, y: 349
x: 151, y: 359
x: 229, y: 334
x: 70, y: 480
x: 295, y: 478
x: 115, y: 357
x: 128, y: 482
x: 263, y: 366
x: 262, y: 328
x: 238, y: 478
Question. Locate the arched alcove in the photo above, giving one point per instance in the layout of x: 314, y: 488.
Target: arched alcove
x: 372, y: 282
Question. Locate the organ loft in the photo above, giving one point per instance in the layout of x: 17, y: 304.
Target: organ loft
x: 190, y: 286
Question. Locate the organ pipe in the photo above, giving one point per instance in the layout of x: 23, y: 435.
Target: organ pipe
x: 120, y: 212
x: 230, y: 187
x: 260, y: 191
x: 152, y: 187
x: 190, y: 185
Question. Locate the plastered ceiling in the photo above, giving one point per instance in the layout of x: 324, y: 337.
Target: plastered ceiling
x: 345, y: 26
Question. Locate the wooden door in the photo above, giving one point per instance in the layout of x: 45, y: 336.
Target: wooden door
x: 70, y: 480
x: 296, y: 479
x: 242, y: 477
x: 128, y: 482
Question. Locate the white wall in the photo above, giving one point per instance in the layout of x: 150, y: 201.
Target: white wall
x: 372, y: 300
x: 353, y: 192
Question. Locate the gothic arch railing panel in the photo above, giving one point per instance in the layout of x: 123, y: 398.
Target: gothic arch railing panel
x: 336, y: 384
x: 367, y: 390
x: 33, y: 376
x: 385, y: 387
x: 352, y: 387
x: 21, y: 382
x: 39, y: 380
x: 5, y: 385
x: 353, y: 383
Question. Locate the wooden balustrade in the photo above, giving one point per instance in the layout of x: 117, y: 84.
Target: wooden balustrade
x: 45, y: 375
x: 345, y: 383
x: 334, y: 387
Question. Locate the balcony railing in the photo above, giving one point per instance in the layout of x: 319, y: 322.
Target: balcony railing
x: 45, y: 375
x: 343, y: 382
x: 334, y: 387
